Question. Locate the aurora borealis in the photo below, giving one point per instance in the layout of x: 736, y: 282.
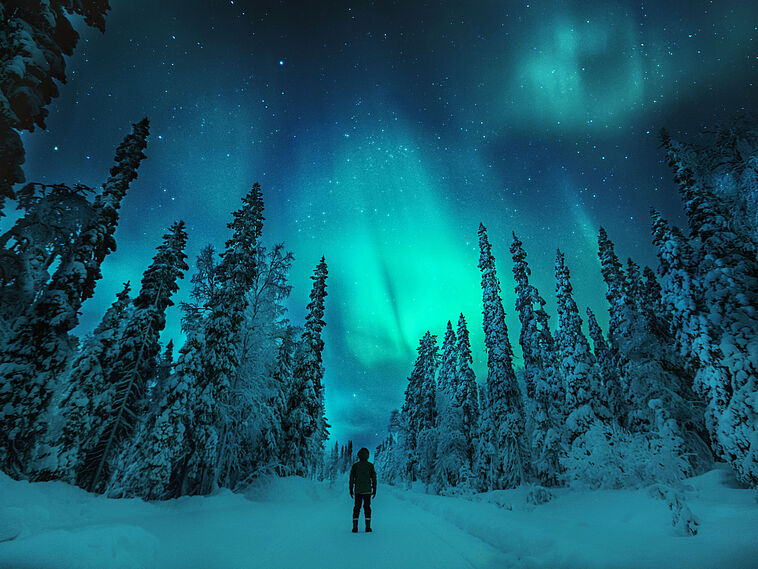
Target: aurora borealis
x: 382, y: 134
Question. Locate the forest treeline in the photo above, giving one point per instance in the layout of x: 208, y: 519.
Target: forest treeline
x: 115, y: 412
x: 669, y: 388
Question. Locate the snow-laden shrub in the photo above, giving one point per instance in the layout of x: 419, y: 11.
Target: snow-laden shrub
x: 538, y: 496
x: 607, y: 456
x: 684, y: 521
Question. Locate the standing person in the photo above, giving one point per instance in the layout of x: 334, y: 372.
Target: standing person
x: 363, y: 487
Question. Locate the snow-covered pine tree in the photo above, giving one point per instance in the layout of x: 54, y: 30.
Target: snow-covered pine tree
x: 728, y: 277
x: 220, y: 348
x: 451, y: 447
x: 610, y: 390
x: 309, y: 364
x: 204, y: 293
x: 656, y: 384
x: 100, y: 235
x: 727, y: 167
x: 543, y: 383
x: 617, y: 290
x: 657, y: 318
x: 577, y: 365
x: 419, y: 412
x: 306, y: 426
x: 83, y: 392
x: 606, y: 454
x: 270, y: 449
x: 34, y: 38
x: 676, y: 411
x: 39, y: 347
x: 710, y: 290
x: 625, y: 331
x: 535, y: 338
x: 154, y: 463
x: 634, y: 283
x: 503, y: 451
x: 54, y: 216
x: 446, y: 375
x: 466, y: 392
x: 347, y: 456
x: 333, y: 463
x: 136, y: 361
x: 162, y: 373
x: 389, y: 458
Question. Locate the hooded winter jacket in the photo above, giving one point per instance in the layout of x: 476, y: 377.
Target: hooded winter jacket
x: 363, y: 475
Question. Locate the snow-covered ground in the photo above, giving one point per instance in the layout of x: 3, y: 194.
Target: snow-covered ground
x: 295, y: 523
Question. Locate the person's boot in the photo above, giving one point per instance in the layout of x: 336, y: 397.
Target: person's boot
x: 355, y: 526
x: 368, y: 524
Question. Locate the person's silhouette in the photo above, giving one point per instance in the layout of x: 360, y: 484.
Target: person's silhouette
x: 363, y: 487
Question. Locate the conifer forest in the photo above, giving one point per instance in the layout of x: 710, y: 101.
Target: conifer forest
x: 531, y: 292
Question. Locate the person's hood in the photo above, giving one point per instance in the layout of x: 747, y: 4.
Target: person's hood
x: 363, y: 454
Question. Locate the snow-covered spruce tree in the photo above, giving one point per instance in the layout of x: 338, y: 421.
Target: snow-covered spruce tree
x: 451, y: 448
x: 466, y: 393
x: 657, y: 318
x: 136, y: 361
x: 347, y: 455
x: 656, y: 382
x: 577, y: 365
x: 706, y: 334
x: 535, y: 338
x: 726, y: 166
x: 163, y: 371
x: 674, y: 409
x: 605, y: 454
x: 610, y: 391
x: 100, y: 236
x: 54, y: 216
x: 728, y: 277
x: 39, y: 347
x: 634, y: 283
x: 734, y: 170
x: 206, y: 287
x: 446, y: 375
x: 153, y: 464
x: 305, y: 422
x: 544, y: 387
x: 389, y: 458
x: 270, y: 447
x: 332, y: 468
x: 617, y: 291
x: 82, y: 396
x: 299, y: 426
x: 419, y: 412
x: 34, y: 38
x: 503, y: 451
x: 625, y: 332
x: 220, y: 348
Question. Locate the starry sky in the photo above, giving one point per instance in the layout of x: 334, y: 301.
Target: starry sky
x: 382, y: 133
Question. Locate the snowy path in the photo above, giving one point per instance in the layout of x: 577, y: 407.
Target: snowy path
x: 317, y: 534
x: 296, y: 523
x: 293, y: 525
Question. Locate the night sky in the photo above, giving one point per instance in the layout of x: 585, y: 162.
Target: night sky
x: 382, y: 133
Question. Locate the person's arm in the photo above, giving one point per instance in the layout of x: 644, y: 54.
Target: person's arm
x: 352, y: 480
x: 373, y: 481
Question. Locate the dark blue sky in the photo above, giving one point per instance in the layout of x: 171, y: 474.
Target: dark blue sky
x: 382, y: 133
